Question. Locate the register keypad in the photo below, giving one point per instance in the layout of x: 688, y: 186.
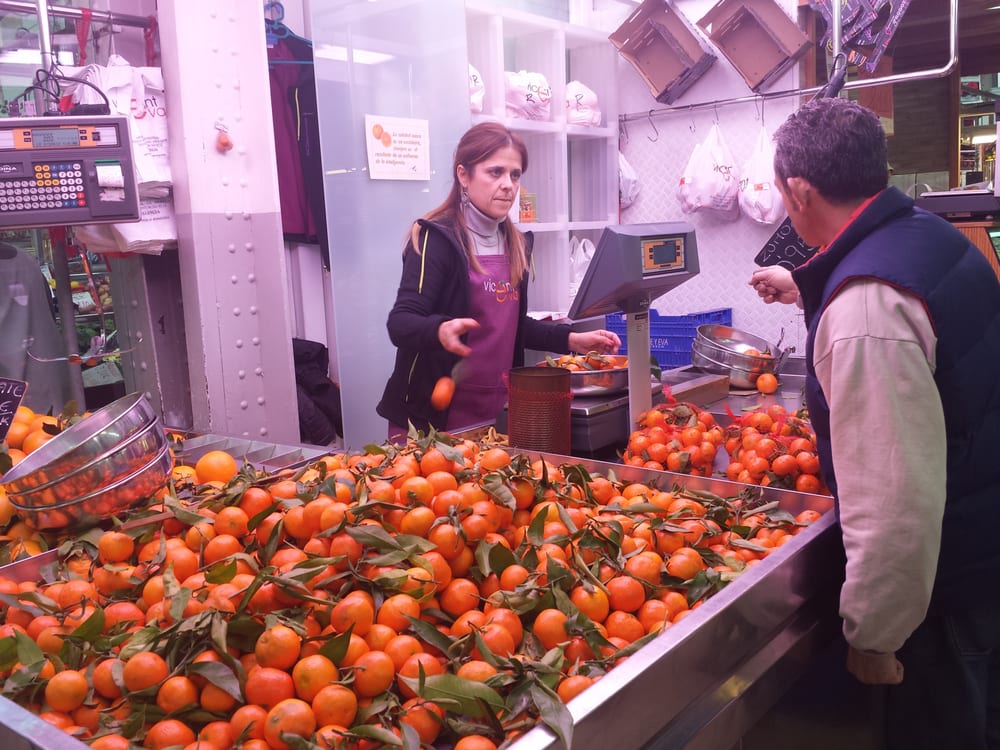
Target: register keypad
x: 53, y: 185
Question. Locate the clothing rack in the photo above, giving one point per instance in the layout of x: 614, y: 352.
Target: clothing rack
x: 915, y: 75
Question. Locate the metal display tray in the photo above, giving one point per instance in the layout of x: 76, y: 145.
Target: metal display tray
x: 701, y: 685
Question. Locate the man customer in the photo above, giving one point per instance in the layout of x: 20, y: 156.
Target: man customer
x: 903, y: 388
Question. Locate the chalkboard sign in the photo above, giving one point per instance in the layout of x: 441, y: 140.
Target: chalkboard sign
x: 785, y: 248
x: 11, y: 393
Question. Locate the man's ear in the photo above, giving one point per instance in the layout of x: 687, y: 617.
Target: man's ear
x: 800, y: 190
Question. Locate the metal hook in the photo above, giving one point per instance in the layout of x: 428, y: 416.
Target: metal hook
x: 692, y: 127
x: 758, y: 105
x: 622, y: 130
x: 653, y: 126
x: 715, y: 109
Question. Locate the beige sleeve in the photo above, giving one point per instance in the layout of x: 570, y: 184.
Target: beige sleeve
x: 875, y: 358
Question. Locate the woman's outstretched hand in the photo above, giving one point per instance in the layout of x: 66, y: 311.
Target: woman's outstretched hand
x: 450, y: 333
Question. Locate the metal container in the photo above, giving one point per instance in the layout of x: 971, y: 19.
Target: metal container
x: 599, y: 382
x: 79, y: 445
x: 117, y: 462
x: 538, y: 409
x: 87, y: 510
x: 723, y: 350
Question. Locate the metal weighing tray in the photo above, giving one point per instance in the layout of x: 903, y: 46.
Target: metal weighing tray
x: 265, y: 456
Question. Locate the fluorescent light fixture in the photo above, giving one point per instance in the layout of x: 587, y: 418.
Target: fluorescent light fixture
x: 361, y: 56
x: 978, y: 140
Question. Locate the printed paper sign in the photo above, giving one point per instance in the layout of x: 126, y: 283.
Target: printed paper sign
x: 11, y: 393
x: 397, y: 148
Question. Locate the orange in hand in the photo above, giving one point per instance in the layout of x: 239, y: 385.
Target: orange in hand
x: 444, y: 391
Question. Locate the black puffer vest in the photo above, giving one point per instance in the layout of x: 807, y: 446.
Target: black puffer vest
x: 918, y: 252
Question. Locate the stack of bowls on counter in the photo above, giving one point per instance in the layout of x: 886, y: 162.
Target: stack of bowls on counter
x: 100, y: 466
x: 740, y: 355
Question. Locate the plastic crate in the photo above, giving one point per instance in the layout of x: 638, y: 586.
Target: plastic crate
x: 670, y: 336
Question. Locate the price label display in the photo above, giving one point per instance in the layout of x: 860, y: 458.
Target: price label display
x: 784, y: 248
x: 11, y: 394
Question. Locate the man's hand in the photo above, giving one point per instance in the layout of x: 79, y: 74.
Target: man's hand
x: 449, y: 334
x: 775, y: 284
x: 874, y: 669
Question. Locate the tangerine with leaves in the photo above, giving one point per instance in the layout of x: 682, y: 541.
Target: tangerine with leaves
x: 268, y: 686
x: 66, y: 690
x: 311, y: 674
x: 143, y: 670
x: 572, y: 686
x: 335, y: 704
x: 374, y: 673
x: 168, y: 733
x: 216, y: 466
x: 475, y: 742
x: 550, y: 627
x: 291, y: 716
x: 593, y: 603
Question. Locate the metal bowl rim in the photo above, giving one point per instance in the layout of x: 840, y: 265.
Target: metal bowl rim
x: 134, y: 437
x: 77, y: 435
x: 165, y: 450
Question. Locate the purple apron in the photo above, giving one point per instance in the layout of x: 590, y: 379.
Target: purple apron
x: 480, y: 392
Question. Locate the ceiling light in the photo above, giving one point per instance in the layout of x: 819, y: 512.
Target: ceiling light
x: 978, y: 140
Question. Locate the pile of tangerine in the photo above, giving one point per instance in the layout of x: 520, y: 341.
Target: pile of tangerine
x: 355, y: 603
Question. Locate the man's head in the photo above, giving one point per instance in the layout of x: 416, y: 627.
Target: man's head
x: 837, y: 145
x: 829, y: 157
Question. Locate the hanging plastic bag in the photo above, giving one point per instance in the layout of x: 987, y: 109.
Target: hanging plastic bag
x: 477, y: 90
x: 721, y: 178
x: 580, y: 254
x: 758, y: 197
x: 581, y: 105
x: 691, y: 190
x: 528, y: 95
x: 628, y: 182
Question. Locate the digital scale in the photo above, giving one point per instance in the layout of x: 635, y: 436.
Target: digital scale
x: 66, y: 170
x: 634, y: 264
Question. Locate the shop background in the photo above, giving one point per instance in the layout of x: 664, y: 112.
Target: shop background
x: 658, y: 149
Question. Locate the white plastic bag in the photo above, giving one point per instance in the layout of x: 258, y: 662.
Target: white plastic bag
x: 758, y: 197
x: 527, y: 95
x: 716, y: 178
x: 476, y: 90
x: 581, y: 105
x: 691, y: 190
x: 628, y: 182
x: 580, y: 254
x: 136, y: 93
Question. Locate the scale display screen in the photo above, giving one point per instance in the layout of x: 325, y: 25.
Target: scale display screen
x: 55, y: 137
x: 661, y: 254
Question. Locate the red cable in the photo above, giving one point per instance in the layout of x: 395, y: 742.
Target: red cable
x: 82, y: 32
x: 149, y: 34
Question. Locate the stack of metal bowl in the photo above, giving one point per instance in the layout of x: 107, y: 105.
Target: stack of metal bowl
x: 728, y: 351
x: 100, y: 466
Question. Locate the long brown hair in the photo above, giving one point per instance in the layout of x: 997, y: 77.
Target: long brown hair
x: 478, y: 144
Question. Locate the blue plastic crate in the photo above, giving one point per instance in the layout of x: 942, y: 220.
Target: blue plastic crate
x: 670, y: 336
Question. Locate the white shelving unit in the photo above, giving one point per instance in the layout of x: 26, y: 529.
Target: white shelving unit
x: 572, y: 169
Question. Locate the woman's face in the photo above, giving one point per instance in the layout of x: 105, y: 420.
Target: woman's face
x: 493, y: 183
